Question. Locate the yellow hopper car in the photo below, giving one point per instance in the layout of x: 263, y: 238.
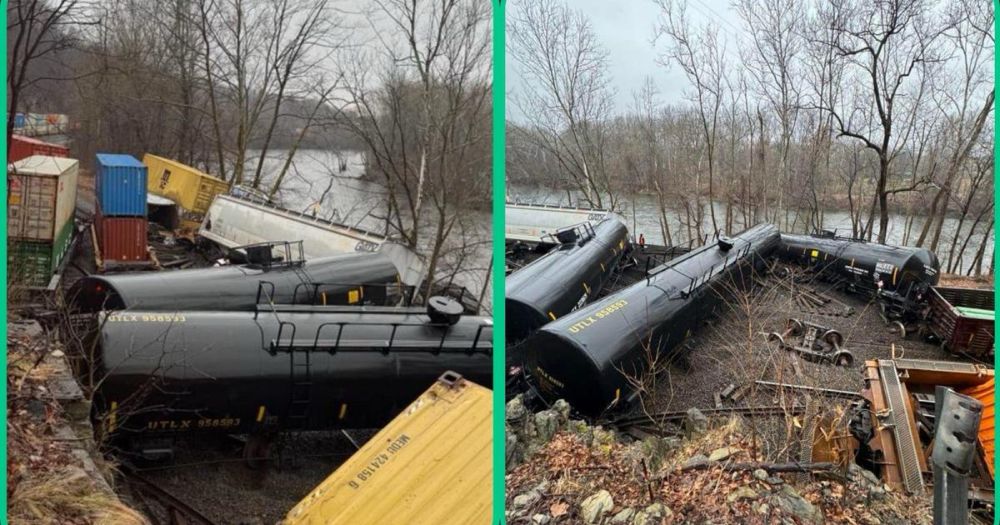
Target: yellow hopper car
x: 432, y: 464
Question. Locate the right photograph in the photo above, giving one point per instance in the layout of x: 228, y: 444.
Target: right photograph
x: 750, y: 262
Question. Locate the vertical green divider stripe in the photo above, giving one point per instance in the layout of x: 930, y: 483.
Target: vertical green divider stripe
x: 499, y: 263
x: 3, y: 272
x: 996, y: 217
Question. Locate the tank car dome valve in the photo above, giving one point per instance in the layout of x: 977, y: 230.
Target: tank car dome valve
x: 444, y: 310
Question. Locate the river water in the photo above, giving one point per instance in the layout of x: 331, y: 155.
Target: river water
x: 330, y: 182
x: 641, y: 214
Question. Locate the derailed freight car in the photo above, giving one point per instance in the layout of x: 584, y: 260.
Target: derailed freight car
x: 564, y: 279
x: 865, y: 267
x: 434, y: 466
x: 587, y: 356
x: 362, y: 278
x: 290, y: 368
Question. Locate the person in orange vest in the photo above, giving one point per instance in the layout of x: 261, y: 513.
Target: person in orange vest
x: 642, y: 242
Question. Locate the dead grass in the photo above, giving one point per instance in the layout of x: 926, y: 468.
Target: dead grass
x: 45, y: 483
x: 66, y: 495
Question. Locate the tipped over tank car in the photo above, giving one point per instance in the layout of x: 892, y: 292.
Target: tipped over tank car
x: 361, y: 278
x: 896, y: 273
x: 564, y: 279
x: 587, y: 356
x: 286, y: 368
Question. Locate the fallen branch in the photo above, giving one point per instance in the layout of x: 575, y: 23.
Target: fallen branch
x: 769, y: 467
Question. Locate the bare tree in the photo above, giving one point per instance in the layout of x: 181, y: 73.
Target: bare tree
x: 702, y: 57
x: 424, y: 116
x: 955, y: 101
x: 36, y: 30
x: 773, y: 64
x: 886, y: 46
x: 565, y: 93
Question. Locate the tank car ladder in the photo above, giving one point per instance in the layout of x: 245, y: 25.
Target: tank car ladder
x: 300, y: 375
x: 299, y: 369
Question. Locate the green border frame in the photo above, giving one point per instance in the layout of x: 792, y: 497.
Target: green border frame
x: 499, y: 263
x: 3, y: 274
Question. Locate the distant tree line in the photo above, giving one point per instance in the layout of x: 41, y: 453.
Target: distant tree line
x: 871, y: 107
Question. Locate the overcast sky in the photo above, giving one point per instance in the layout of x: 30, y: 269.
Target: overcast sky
x: 625, y: 29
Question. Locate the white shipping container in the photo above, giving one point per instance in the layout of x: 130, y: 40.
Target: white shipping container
x: 41, y: 197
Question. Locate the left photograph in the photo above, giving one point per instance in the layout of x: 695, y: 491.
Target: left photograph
x: 248, y: 262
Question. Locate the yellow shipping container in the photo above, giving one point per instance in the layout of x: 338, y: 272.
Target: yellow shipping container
x: 430, y: 465
x: 191, y: 188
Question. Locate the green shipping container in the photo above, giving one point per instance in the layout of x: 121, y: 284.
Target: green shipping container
x: 32, y: 263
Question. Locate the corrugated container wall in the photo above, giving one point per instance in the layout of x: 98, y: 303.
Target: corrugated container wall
x: 23, y: 147
x: 32, y: 263
x: 121, y: 238
x: 191, y: 188
x: 121, y: 185
x: 987, y: 425
x: 432, y: 464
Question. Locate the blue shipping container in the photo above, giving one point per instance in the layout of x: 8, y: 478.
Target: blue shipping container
x: 121, y: 185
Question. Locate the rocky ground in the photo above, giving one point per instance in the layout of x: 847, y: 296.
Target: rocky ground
x: 566, y: 471
x: 52, y: 476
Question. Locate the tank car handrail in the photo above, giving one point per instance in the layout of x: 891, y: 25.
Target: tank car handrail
x: 270, y: 296
x: 555, y: 206
x: 281, y: 329
x: 390, y: 345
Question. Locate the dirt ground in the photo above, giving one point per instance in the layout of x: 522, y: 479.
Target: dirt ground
x: 733, y: 349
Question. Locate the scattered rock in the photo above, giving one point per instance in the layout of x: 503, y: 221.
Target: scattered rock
x: 775, y: 480
x: 36, y: 407
x: 724, y: 453
x: 625, y: 516
x: 792, y: 503
x: 695, y: 424
x: 581, y: 429
x: 515, y: 409
x: 562, y: 407
x: 656, y: 449
x: 763, y: 508
x: 522, y: 501
x: 514, y: 455
x: 540, y: 519
x: 760, y: 474
x: 696, y: 461
x: 657, y: 512
x: 596, y: 506
x: 546, y: 425
x: 741, y: 494
x: 57, y: 353
x: 603, y: 438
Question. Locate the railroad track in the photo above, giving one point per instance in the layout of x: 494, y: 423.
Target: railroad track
x: 665, y: 417
x: 176, y: 512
